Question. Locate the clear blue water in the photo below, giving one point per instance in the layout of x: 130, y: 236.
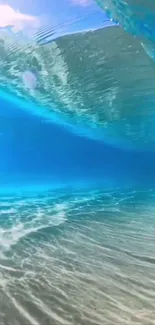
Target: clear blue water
x: 77, y: 171
x: 77, y: 256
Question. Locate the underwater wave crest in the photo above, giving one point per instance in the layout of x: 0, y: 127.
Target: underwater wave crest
x: 137, y: 17
x: 85, y: 81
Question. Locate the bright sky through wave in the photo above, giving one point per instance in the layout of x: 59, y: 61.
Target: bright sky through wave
x: 10, y: 16
x: 29, y: 14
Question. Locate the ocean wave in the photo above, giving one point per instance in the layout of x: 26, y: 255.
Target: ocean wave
x: 85, y: 82
x: 137, y: 17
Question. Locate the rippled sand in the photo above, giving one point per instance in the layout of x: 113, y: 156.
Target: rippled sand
x: 78, y: 258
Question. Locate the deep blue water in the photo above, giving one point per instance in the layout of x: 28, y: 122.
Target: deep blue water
x: 35, y: 152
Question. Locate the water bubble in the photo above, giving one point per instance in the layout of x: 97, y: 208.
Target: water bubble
x: 29, y: 79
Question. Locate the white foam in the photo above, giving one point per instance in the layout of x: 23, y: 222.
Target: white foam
x: 25, y: 222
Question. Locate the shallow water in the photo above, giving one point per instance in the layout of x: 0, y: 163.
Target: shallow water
x: 77, y: 257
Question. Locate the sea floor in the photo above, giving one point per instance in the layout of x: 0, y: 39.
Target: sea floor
x: 78, y: 258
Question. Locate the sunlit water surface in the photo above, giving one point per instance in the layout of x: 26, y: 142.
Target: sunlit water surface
x: 98, y: 83
x: 78, y: 257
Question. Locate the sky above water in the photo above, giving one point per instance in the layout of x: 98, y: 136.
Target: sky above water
x: 81, y: 14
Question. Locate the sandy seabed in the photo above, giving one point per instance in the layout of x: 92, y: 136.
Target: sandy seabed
x: 80, y: 258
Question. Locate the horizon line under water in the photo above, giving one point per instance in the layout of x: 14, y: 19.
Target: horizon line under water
x: 36, y: 152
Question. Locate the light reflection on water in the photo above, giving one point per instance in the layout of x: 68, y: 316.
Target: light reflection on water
x: 77, y: 258
x: 97, y: 83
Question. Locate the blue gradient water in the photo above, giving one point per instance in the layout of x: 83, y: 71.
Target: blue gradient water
x: 77, y: 178
x: 34, y: 151
x: 77, y: 227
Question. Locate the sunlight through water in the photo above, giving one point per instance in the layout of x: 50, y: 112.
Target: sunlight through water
x: 64, y: 256
x: 77, y: 162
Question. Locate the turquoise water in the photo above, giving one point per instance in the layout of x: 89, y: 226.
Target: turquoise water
x: 98, y: 83
x: 77, y: 163
x: 76, y: 257
x: 136, y: 17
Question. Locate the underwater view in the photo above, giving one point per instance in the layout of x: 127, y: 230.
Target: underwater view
x: 77, y: 162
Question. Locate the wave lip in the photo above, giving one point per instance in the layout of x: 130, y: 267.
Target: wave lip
x: 137, y: 17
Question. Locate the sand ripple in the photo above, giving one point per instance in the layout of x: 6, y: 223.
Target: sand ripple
x: 78, y: 258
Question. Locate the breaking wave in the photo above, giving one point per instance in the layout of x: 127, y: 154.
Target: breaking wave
x: 84, y: 82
